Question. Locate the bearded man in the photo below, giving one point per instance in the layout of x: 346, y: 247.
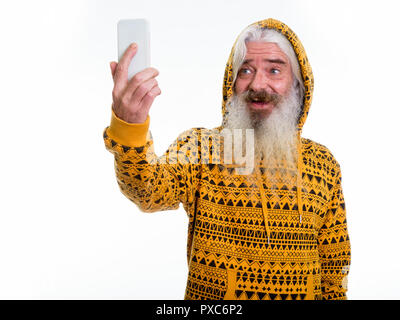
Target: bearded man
x: 277, y: 232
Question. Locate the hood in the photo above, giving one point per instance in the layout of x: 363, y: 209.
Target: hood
x: 308, y: 81
x: 305, y: 68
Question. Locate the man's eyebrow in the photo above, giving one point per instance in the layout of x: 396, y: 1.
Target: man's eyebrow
x: 280, y: 61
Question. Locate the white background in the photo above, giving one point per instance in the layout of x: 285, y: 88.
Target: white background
x: 66, y: 231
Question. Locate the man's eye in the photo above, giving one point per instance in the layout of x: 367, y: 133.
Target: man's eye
x: 245, y: 71
x: 275, y: 71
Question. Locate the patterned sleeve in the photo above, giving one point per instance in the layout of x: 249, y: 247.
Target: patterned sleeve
x: 334, y: 246
x: 154, y: 183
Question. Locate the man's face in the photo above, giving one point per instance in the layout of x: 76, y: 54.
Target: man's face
x: 266, y: 75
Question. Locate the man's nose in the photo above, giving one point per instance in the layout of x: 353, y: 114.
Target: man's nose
x: 259, y: 82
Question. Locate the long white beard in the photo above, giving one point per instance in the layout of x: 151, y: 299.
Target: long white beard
x: 275, y: 135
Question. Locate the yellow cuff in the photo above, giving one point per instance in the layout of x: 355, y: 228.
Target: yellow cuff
x: 128, y: 134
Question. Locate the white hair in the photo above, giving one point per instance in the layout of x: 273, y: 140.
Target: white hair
x: 258, y: 34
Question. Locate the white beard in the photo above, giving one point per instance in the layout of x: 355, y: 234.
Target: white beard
x: 275, y: 135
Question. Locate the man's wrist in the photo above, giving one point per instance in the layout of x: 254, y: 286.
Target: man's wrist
x: 137, y: 118
x: 128, y: 134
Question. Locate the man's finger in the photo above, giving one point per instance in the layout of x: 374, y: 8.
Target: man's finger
x: 141, y: 91
x: 121, y: 71
x: 139, y: 78
x: 148, y: 99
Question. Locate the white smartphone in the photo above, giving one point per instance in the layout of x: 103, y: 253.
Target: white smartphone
x: 138, y: 31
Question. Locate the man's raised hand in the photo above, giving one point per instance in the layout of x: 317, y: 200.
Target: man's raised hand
x: 132, y: 99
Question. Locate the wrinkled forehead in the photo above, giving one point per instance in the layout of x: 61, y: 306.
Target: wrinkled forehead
x: 263, y: 47
x: 263, y: 51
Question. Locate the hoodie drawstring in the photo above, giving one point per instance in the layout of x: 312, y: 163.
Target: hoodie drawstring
x: 299, y: 173
x: 263, y: 203
x: 298, y: 188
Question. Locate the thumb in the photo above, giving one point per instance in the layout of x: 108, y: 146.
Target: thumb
x: 113, y: 65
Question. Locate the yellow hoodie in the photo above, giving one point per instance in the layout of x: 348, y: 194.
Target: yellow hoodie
x: 244, y: 242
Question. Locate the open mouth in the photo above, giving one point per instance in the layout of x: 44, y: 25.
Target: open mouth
x: 259, y: 105
x: 261, y: 101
